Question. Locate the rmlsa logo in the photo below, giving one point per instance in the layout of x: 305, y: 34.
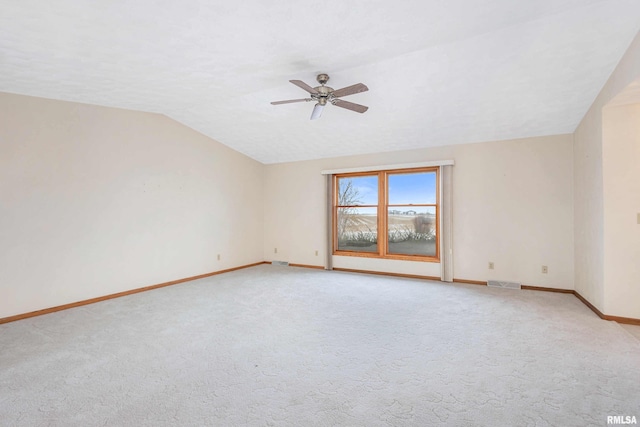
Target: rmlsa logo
x: 621, y: 419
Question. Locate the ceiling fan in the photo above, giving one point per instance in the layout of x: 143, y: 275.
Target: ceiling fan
x: 324, y: 94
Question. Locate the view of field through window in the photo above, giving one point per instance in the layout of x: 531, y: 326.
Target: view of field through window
x: 357, y: 218
x: 409, y: 205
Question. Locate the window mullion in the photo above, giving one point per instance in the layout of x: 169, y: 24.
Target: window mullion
x: 382, y: 213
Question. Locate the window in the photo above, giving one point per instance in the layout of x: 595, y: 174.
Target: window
x: 387, y: 214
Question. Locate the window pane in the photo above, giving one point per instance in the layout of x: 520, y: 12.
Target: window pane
x: 358, y: 190
x: 357, y: 229
x: 412, y: 230
x: 412, y: 188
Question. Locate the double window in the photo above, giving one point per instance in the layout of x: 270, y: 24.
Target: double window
x: 387, y: 214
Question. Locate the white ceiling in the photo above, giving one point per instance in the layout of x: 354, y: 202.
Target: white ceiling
x: 438, y: 72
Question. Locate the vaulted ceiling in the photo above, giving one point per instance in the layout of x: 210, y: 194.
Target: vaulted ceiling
x: 438, y: 72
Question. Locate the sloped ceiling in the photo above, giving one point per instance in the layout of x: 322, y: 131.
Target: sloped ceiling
x: 438, y: 72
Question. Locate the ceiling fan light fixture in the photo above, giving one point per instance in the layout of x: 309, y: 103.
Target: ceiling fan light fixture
x: 317, y: 111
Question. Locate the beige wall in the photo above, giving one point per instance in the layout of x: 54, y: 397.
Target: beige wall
x: 621, y: 167
x: 99, y: 200
x: 512, y: 204
x: 588, y: 212
x: 591, y: 280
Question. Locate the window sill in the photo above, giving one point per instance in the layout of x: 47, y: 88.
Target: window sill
x: 418, y: 258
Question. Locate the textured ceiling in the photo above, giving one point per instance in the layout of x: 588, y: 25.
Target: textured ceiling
x: 438, y: 72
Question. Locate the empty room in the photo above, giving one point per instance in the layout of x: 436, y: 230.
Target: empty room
x: 413, y: 213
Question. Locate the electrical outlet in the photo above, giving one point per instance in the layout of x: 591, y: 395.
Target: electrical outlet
x: 316, y: 253
x: 545, y: 269
x: 275, y: 250
x: 491, y: 266
x: 218, y: 257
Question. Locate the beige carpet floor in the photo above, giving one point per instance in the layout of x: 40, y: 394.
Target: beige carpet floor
x: 284, y: 346
x: 633, y: 330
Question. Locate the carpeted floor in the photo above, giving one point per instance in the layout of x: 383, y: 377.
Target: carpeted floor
x: 284, y: 346
x: 633, y: 330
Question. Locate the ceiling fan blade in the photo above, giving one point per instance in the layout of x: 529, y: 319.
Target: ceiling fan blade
x: 350, y: 90
x: 350, y: 106
x: 289, y: 101
x: 304, y: 86
x: 317, y: 112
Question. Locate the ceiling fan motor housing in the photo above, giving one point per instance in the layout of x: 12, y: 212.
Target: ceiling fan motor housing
x: 324, y: 94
